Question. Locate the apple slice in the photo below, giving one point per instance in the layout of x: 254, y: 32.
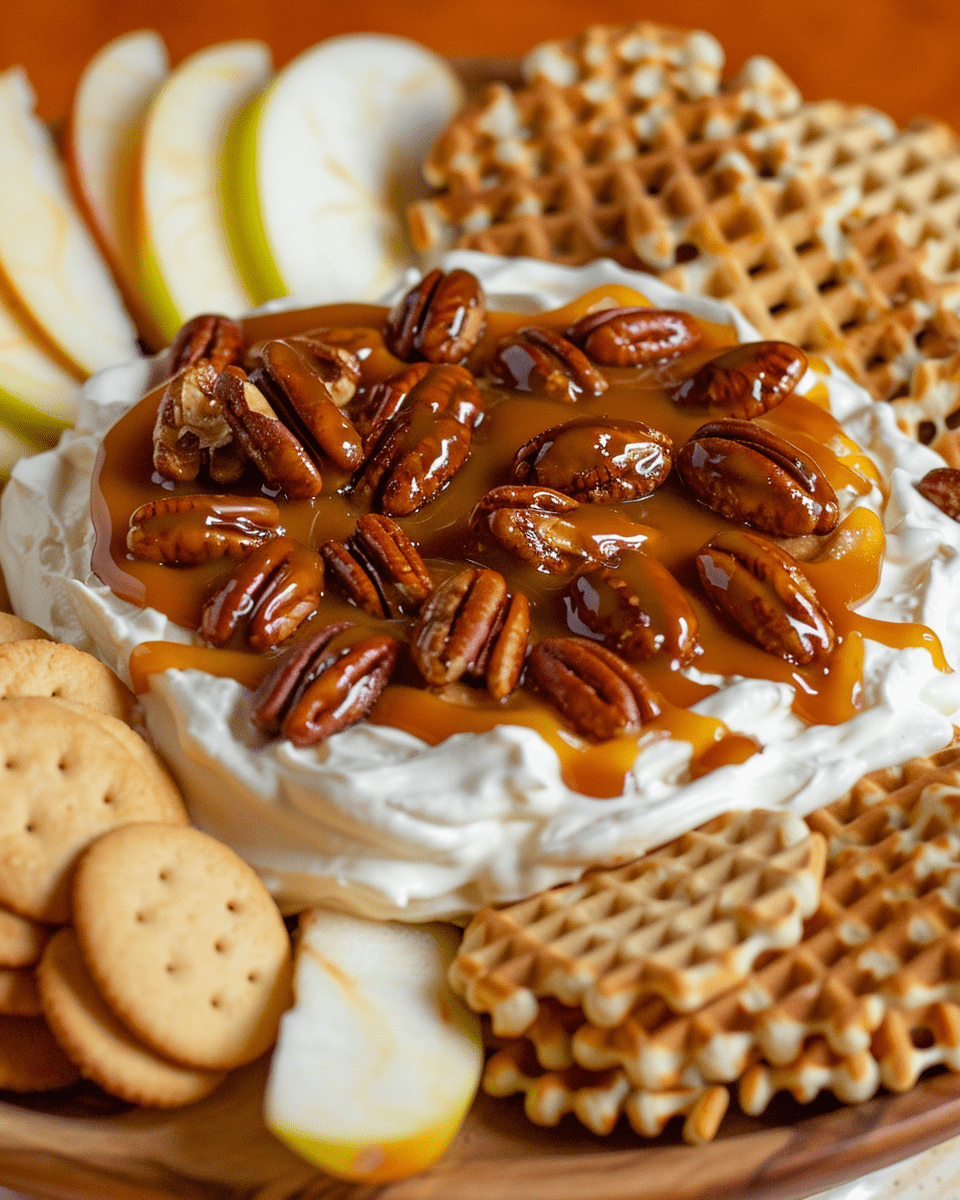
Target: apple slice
x: 109, y: 105
x: 186, y: 263
x: 48, y: 259
x: 378, y: 1061
x: 320, y: 168
x: 36, y: 394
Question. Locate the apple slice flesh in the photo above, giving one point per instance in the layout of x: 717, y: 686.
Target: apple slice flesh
x: 333, y: 150
x: 13, y: 447
x: 106, y: 119
x: 36, y: 394
x: 48, y: 258
x: 186, y: 262
x: 378, y: 1061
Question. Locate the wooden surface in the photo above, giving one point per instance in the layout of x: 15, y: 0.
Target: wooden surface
x: 83, y: 1147
x: 900, y: 55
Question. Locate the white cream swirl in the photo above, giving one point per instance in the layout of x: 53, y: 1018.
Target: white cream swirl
x: 379, y: 823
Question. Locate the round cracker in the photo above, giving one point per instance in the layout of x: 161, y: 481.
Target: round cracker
x: 36, y: 667
x: 184, y: 943
x: 16, y: 629
x: 134, y: 744
x: 19, y: 996
x: 63, y: 782
x: 21, y: 940
x: 102, y: 1048
x: 31, y: 1059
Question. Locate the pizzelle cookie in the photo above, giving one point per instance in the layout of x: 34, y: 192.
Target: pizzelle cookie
x: 184, y: 943
x: 100, y: 1045
x: 37, y: 667
x: 63, y: 781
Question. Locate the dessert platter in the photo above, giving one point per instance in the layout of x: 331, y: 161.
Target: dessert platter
x: 480, y: 709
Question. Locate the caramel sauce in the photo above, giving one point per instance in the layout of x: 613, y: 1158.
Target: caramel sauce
x: 844, y: 567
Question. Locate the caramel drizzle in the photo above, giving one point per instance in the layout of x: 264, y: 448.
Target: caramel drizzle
x: 844, y: 570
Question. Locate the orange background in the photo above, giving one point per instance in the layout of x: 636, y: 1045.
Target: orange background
x: 899, y: 55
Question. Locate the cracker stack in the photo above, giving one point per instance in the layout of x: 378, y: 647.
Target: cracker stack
x: 867, y: 996
x: 825, y: 224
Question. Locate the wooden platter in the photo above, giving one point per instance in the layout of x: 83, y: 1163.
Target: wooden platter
x: 83, y: 1146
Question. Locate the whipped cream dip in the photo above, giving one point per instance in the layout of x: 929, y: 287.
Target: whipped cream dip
x: 376, y: 821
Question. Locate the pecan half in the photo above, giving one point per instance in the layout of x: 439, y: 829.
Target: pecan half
x: 290, y: 378
x: 425, y: 443
x: 748, y: 473
x: 598, y: 693
x: 470, y: 627
x: 216, y: 338
x: 629, y: 337
x: 763, y: 590
x: 324, y: 684
x: 440, y: 319
x: 639, y: 610
x: 191, y: 432
x: 273, y: 592
x: 379, y: 568
x: 530, y: 523
x: 745, y: 381
x: 941, y: 487
x: 279, y: 455
x: 541, y: 361
x: 597, y: 459
x: 187, y: 530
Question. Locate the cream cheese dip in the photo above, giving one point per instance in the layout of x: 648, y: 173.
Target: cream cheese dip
x: 378, y: 822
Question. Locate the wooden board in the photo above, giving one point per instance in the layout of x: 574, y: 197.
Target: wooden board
x: 83, y: 1146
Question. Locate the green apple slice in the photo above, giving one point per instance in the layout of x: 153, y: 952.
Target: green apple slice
x: 320, y: 169
x: 377, y: 1062
x: 186, y: 263
x: 48, y: 258
x: 109, y: 105
x: 12, y: 448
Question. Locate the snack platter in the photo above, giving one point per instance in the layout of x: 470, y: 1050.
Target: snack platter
x: 79, y: 1141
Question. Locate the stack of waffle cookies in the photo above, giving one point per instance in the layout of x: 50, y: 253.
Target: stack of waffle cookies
x: 825, y: 224
x: 759, y: 954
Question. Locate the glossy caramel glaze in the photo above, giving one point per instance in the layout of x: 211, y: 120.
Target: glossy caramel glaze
x: 669, y: 524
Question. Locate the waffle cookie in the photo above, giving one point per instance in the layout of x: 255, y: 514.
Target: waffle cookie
x: 823, y: 223
x: 867, y: 998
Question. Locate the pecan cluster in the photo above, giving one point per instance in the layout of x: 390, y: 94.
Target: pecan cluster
x: 385, y: 418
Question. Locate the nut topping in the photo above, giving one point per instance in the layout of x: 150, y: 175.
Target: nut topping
x: 597, y: 459
x: 274, y: 591
x: 599, y: 694
x: 470, y: 627
x: 324, y: 684
x: 187, y: 530
x: 529, y: 522
x: 425, y: 443
x: 279, y: 455
x: 379, y: 568
x: 941, y: 487
x: 629, y: 337
x: 295, y: 387
x: 763, y: 590
x: 639, y: 610
x: 748, y: 473
x: 440, y: 319
x: 541, y: 361
x: 191, y: 432
x: 745, y: 381
x: 216, y: 338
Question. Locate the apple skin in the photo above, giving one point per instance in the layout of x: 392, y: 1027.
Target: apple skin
x: 104, y: 130
x: 378, y: 1061
x: 185, y: 262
